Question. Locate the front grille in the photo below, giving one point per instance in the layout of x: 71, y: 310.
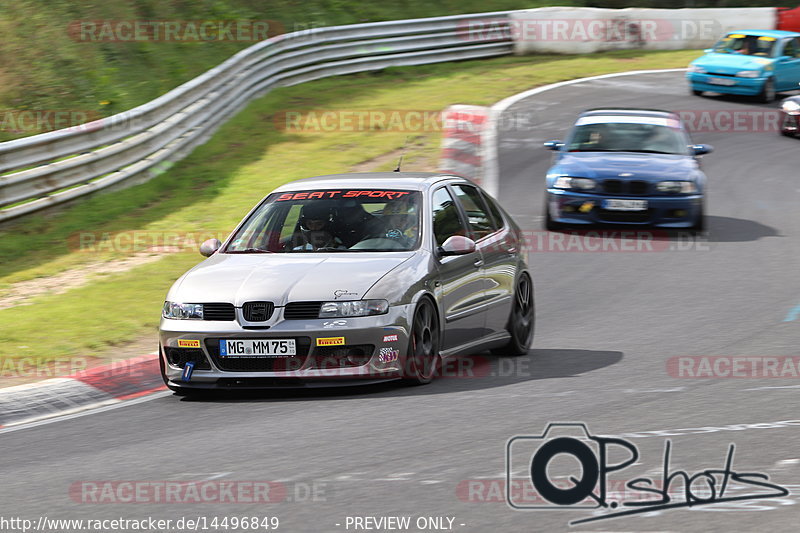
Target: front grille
x: 625, y: 187
x: 327, y: 357
x: 219, y: 311
x: 257, y: 311
x: 624, y: 216
x: 180, y: 356
x: 612, y: 186
x: 260, y: 364
x: 638, y: 187
x: 301, y: 310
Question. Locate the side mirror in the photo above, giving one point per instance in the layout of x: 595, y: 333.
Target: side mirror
x: 700, y: 149
x: 784, y: 59
x: 457, y: 245
x: 553, y: 145
x: 208, y: 248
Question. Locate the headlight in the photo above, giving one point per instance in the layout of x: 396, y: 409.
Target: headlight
x: 748, y: 74
x: 353, y: 308
x: 182, y: 311
x: 695, y: 68
x: 567, y: 182
x: 676, y: 187
x: 791, y: 106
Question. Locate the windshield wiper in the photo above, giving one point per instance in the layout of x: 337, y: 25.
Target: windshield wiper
x: 596, y: 150
x: 249, y: 251
x: 652, y: 152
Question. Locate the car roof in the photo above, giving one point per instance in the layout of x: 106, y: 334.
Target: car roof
x: 767, y: 33
x: 419, y: 181
x: 628, y: 111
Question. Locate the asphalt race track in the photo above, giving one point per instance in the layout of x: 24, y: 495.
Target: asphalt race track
x: 607, y: 325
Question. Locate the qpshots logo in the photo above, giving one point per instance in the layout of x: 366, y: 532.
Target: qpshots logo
x: 548, y: 462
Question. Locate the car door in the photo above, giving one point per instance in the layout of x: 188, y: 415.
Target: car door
x: 498, y: 248
x: 461, y: 289
x: 787, y: 67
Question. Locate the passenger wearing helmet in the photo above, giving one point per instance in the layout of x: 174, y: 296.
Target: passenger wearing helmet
x: 314, y: 228
x: 401, y: 219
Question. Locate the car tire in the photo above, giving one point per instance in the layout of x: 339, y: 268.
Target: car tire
x: 696, y: 92
x: 549, y: 223
x: 768, y: 92
x: 422, y: 359
x: 700, y: 225
x: 522, y: 320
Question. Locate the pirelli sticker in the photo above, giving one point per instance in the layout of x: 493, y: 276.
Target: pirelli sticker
x: 330, y: 341
x: 188, y: 343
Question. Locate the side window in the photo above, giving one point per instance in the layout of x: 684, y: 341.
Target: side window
x: 480, y: 222
x: 789, y: 48
x: 446, y: 220
x: 497, y: 216
x: 793, y: 48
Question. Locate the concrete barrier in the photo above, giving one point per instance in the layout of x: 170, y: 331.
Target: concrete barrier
x: 565, y: 30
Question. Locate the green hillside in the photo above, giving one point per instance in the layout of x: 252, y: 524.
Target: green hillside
x: 45, y: 66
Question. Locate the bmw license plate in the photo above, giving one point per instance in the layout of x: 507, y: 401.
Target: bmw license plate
x: 622, y: 204
x: 721, y: 81
x: 257, y: 347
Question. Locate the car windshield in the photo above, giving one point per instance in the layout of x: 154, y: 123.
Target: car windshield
x: 330, y: 221
x: 750, y: 45
x: 661, y: 136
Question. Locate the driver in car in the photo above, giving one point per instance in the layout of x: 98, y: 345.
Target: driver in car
x: 315, y: 228
x: 400, y: 217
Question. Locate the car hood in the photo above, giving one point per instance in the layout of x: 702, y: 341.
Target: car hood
x: 626, y: 165
x: 730, y: 63
x: 281, y: 278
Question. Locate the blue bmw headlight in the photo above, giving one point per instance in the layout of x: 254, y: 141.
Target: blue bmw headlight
x: 675, y: 187
x: 568, y: 182
x: 749, y: 74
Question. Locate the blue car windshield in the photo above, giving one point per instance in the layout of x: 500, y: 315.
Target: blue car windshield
x: 750, y: 45
x: 628, y: 137
x: 329, y: 221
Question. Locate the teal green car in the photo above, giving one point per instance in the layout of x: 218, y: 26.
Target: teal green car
x: 749, y: 62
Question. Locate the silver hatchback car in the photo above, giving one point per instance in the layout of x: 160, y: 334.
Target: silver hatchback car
x: 350, y: 279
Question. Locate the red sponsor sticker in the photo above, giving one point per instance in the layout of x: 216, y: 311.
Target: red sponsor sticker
x: 390, y: 338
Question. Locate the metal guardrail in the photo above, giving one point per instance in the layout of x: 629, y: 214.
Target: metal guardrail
x: 47, y: 169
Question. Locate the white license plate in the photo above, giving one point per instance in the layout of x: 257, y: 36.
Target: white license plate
x: 721, y: 81
x: 621, y: 204
x: 257, y: 347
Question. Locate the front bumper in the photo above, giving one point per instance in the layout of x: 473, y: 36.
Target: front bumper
x: 742, y: 86
x: 790, y: 124
x: 569, y: 207
x: 379, y: 342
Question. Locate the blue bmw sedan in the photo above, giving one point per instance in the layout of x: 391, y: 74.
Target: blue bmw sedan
x: 626, y: 166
